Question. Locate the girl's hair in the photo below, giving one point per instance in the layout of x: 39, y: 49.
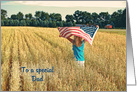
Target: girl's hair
x: 78, y: 41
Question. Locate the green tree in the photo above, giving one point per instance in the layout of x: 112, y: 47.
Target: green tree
x: 124, y: 18
x: 105, y: 16
x: 82, y: 17
x: 46, y: 23
x: 37, y: 14
x: 22, y: 23
x: 74, y: 23
x: 58, y: 24
x: 77, y: 16
x: 94, y: 17
x: 44, y: 16
x: 2, y: 22
x: 120, y: 11
x: 69, y: 24
x: 50, y: 23
x: 6, y: 22
x: 30, y: 16
x: 14, y: 17
x: 3, y: 14
x: 27, y: 16
x: 61, y: 24
x: 58, y: 17
x: 28, y: 22
x: 53, y: 24
x: 119, y: 18
x: 69, y: 18
x: 20, y: 16
x: 52, y: 16
x: 65, y: 24
x: 16, y: 22
x: 11, y: 23
x: 34, y: 22
x: 86, y: 17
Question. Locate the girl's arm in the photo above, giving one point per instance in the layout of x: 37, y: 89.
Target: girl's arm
x: 97, y: 26
x: 71, y: 40
x: 85, y: 41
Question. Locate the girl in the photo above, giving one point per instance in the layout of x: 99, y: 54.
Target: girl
x: 78, y: 47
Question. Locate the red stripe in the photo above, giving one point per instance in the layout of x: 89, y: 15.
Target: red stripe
x: 79, y: 34
x: 88, y: 37
x: 90, y: 41
x: 68, y: 30
x: 70, y: 35
x: 62, y: 33
x: 60, y: 28
x: 85, y: 34
x: 63, y: 28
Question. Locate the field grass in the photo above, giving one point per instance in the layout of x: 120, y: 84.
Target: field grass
x: 37, y: 47
x: 114, y: 31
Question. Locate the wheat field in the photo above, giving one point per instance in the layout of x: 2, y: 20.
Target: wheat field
x: 37, y: 47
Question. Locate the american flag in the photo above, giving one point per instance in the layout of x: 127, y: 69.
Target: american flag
x: 88, y: 33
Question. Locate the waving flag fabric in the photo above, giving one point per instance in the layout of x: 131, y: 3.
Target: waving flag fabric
x: 87, y: 33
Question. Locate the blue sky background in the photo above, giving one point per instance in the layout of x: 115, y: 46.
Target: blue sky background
x: 64, y: 8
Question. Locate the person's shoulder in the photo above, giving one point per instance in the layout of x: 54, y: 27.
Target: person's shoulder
x: 83, y: 40
x: 73, y: 41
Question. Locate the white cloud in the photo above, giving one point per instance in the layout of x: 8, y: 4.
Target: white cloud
x: 70, y: 3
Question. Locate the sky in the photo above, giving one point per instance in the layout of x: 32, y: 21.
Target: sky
x: 62, y: 7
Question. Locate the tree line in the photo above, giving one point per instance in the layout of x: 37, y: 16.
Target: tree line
x: 117, y: 19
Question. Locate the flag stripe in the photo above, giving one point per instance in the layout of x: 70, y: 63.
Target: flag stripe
x: 87, y: 33
x: 90, y: 41
x: 74, y: 29
x: 62, y: 32
x: 78, y: 32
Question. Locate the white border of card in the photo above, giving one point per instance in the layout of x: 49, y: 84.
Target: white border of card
x: 131, y: 78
